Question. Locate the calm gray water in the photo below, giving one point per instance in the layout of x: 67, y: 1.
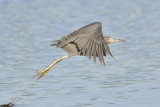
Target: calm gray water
x: 133, y: 80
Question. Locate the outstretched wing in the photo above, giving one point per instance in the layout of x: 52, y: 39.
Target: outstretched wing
x: 90, y: 41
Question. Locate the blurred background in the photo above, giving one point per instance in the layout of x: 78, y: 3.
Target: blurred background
x: 133, y: 80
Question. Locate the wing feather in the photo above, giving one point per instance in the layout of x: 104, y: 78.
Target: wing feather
x: 94, y: 51
x: 90, y: 41
x: 90, y: 50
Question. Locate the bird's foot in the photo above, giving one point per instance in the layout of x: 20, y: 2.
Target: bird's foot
x: 42, y: 73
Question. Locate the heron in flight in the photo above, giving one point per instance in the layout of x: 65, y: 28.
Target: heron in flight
x: 86, y: 41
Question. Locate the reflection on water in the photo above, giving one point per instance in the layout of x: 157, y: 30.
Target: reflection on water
x: 26, y: 26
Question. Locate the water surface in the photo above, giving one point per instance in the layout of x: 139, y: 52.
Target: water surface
x: 26, y: 26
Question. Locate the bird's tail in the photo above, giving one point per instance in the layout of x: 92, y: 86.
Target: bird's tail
x: 56, y: 42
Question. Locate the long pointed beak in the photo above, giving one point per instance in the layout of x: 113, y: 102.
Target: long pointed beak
x: 118, y: 40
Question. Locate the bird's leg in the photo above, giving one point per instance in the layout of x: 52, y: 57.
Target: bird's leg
x: 43, y: 72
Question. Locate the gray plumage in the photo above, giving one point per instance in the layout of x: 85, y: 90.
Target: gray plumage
x: 87, y: 41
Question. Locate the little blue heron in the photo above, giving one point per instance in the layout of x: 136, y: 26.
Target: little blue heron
x: 86, y: 41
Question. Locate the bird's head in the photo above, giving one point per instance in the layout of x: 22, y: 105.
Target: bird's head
x: 111, y: 40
